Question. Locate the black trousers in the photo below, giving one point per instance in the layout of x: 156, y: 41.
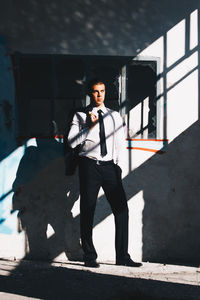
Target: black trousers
x: 92, y: 176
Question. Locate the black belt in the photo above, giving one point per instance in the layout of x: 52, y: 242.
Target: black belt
x: 99, y: 162
x: 104, y: 162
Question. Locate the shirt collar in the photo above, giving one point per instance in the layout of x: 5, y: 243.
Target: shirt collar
x: 103, y: 109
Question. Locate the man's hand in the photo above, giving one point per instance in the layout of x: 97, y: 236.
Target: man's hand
x: 93, y: 119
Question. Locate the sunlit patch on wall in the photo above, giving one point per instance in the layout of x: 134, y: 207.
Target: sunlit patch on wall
x: 193, y: 29
x: 182, y: 105
x: 178, y: 80
x: 104, y: 234
x: 139, y: 114
x: 76, y: 208
x: 31, y: 142
x: 136, y: 207
x: 176, y: 43
x: 182, y: 70
x: 50, y: 232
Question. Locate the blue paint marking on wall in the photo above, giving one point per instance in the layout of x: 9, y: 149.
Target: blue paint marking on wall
x: 4, y: 214
x: 8, y: 169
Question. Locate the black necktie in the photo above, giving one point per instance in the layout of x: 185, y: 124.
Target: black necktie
x: 102, y: 134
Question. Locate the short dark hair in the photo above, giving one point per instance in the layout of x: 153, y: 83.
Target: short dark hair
x: 94, y: 81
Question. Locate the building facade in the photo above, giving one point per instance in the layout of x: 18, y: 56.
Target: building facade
x: 148, y: 54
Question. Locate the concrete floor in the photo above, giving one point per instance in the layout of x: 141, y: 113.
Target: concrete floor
x: 71, y: 280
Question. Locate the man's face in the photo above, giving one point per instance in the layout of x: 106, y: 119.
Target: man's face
x: 98, y: 94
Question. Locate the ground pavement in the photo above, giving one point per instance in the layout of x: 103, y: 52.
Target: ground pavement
x: 22, y: 280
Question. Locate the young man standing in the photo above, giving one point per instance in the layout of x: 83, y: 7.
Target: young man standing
x: 99, y: 132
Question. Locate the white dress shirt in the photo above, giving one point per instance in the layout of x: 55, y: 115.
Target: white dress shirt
x: 89, y: 138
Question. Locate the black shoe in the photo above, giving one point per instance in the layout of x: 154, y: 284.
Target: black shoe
x: 128, y: 262
x: 92, y: 264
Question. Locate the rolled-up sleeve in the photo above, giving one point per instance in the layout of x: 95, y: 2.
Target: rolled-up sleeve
x: 77, y: 133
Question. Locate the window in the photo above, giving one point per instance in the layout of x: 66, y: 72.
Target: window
x: 49, y: 87
x: 141, y: 95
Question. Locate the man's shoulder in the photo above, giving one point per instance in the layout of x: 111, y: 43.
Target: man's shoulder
x: 111, y: 110
x: 114, y: 113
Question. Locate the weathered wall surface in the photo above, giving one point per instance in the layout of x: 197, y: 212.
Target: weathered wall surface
x: 89, y: 27
x: 163, y: 190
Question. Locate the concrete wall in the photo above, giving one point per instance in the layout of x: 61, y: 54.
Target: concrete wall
x: 162, y: 187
